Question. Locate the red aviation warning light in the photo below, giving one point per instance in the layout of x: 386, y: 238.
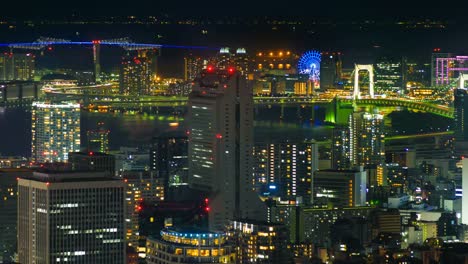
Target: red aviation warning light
x: 231, y: 70
x: 210, y: 68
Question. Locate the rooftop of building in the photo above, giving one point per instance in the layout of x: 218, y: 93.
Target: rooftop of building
x: 187, y: 231
x: 48, y: 175
x: 90, y: 154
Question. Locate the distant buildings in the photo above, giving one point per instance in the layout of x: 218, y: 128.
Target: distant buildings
x: 17, y: 66
x: 331, y: 68
x: 220, y: 146
x: 55, y: 131
x: 71, y: 217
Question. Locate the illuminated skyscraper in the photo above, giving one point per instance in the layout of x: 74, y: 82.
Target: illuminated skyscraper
x: 71, y: 217
x: 284, y: 170
x: 366, y: 139
x: 55, y: 131
x: 135, y: 75
x: 220, y: 146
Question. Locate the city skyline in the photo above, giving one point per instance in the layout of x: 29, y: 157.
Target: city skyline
x: 233, y: 132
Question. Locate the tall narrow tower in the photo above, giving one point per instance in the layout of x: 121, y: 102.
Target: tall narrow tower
x: 220, y: 146
x: 96, y: 60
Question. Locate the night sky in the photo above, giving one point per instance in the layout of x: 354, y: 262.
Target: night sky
x: 333, y: 9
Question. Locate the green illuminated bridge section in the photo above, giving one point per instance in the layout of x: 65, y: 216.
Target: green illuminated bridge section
x: 155, y: 101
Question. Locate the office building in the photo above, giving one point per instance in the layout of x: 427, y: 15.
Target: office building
x: 71, y: 217
x: 220, y: 117
x: 284, y: 170
x: 366, y: 139
x: 92, y: 161
x: 17, y: 66
x: 389, y: 74
x: 98, y: 139
x: 259, y: 242
x: 192, y: 246
x: 136, y: 75
x: 55, y: 131
x: 341, y: 188
x: 169, y: 159
x: 143, y: 187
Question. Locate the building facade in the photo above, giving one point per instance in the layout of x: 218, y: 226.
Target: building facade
x: 284, y: 170
x: 55, y: 131
x: 220, y: 117
x: 340, y: 188
x: 135, y: 75
x: 366, y: 139
x: 71, y: 217
x: 17, y: 66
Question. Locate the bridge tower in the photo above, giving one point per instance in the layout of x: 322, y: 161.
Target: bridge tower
x: 364, y: 67
x: 462, y: 78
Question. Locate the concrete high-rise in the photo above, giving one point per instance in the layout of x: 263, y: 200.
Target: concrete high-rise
x: 71, y: 217
x: 55, y: 131
x: 220, y: 117
x: 285, y: 169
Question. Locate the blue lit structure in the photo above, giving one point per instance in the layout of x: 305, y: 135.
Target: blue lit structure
x: 309, y: 63
x: 189, y: 246
x: 40, y: 45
